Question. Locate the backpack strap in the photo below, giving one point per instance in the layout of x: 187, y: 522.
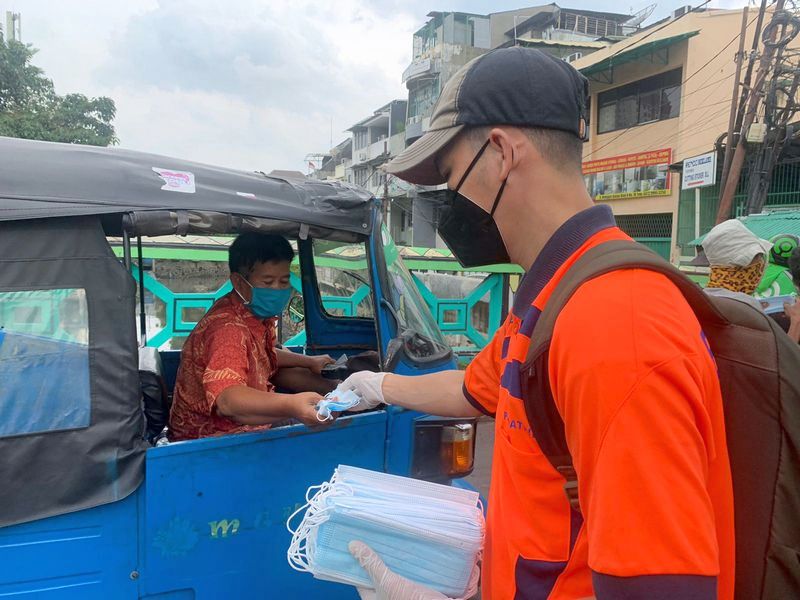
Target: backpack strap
x: 540, y: 408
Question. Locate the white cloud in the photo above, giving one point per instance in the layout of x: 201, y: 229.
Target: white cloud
x: 247, y: 84
x: 244, y: 83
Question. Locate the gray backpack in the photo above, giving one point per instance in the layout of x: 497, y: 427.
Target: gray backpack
x: 759, y: 371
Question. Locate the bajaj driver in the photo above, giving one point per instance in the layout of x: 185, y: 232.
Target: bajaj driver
x: 230, y: 362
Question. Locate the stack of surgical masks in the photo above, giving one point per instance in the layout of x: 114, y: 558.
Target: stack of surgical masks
x: 429, y: 533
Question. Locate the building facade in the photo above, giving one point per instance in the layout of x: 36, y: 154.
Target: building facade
x: 334, y: 164
x: 375, y: 140
x: 658, y: 98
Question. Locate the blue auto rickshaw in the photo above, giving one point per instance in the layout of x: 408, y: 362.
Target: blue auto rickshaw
x: 89, y: 507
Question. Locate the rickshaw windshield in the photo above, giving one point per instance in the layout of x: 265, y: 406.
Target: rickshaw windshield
x: 408, y: 306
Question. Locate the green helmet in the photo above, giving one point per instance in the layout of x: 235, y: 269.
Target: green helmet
x: 782, y: 247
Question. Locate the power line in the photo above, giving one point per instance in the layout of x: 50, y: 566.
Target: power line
x: 667, y: 24
x: 693, y: 125
x: 666, y: 140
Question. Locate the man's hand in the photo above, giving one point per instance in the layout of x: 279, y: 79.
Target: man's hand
x: 317, y: 363
x: 303, y: 408
x: 369, y: 387
x: 391, y: 586
x: 793, y: 312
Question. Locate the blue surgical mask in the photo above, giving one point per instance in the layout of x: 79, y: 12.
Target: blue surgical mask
x: 431, y: 534
x: 336, y: 401
x: 441, y: 566
x: 266, y: 303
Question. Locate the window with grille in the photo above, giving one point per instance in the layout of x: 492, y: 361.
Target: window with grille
x: 361, y: 176
x: 653, y: 99
x: 657, y: 225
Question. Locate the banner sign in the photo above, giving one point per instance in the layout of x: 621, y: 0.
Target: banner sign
x: 629, y: 176
x: 699, y: 171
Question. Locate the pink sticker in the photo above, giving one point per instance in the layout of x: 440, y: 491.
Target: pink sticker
x: 176, y: 181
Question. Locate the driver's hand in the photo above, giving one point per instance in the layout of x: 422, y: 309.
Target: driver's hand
x: 792, y: 310
x: 304, y: 408
x: 317, y: 363
x: 368, y: 386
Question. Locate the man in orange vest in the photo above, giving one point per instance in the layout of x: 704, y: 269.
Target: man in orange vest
x: 629, y: 367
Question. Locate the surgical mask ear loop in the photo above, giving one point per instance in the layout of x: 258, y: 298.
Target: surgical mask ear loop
x: 300, y: 553
x: 500, y: 191
x: 497, y: 198
x: 246, y: 303
x: 471, y: 166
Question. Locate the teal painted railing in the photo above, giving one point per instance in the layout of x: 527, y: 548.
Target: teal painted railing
x: 453, y: 315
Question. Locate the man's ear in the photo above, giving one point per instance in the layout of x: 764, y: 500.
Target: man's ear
x: 504, y: 143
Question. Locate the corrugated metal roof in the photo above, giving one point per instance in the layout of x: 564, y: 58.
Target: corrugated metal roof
x: 768, y: 225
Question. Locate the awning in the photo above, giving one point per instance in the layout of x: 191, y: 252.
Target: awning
x: 635, y: 52
x: 768, y: 225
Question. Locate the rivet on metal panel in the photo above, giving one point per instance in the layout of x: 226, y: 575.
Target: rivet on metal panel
x: 134, y: 575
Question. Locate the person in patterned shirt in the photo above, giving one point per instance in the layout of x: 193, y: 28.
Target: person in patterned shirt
x: 225, y: 383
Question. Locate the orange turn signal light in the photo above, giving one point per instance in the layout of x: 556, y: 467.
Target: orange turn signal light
x: 458, y: 449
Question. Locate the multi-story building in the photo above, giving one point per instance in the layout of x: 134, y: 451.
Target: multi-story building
x: 451, y: 39
x: 568, y: 33
x: 335, y: 163
x: 448, y: 41
x: 375, y: 140
x: 657, y: 98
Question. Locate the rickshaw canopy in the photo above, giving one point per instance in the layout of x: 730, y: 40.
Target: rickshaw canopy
x: 70, y: 398
x: 45, y: 180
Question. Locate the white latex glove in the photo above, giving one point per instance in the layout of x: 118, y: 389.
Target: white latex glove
x: 391, y: 586
x: 368, y: 386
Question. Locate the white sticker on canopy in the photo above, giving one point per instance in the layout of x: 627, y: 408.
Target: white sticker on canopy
x: 176, y: 181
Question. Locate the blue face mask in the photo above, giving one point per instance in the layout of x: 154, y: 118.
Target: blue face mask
x: 266, y: 303
x: 428, y: 533
x: 336, y: 401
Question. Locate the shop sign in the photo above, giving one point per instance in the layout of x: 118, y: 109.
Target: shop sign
x: 636, y: 175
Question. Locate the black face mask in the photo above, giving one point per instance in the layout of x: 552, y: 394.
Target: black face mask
x: 469, y: 231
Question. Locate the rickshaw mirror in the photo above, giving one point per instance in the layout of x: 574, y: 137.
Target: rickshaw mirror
x: 297, y: 309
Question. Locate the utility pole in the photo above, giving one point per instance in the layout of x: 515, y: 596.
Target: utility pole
x: 386, y: 198
x: 726, y: 165
x: 784, y: 82
x: 754, y: 98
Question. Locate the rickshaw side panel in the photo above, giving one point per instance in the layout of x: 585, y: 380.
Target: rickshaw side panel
x: 216, y: 509
x: 79, y: 555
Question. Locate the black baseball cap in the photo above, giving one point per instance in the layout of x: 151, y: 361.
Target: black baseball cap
x: 508, y: 86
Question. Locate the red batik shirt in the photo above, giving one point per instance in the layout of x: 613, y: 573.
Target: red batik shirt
x: 229, y: 346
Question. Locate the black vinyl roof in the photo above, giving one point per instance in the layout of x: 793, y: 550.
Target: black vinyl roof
x: 44, y: 180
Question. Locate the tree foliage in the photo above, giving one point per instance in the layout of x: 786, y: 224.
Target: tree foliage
x: 31, y: 109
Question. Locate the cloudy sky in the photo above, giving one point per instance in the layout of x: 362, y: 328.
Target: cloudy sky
x: 251, y: 84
